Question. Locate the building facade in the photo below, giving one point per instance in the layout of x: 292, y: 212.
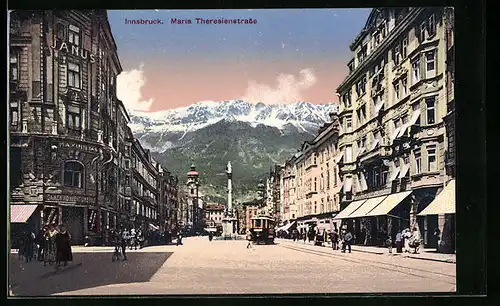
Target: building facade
x: 71, y: 151
x: 392, y: 130
x: 214, y: 213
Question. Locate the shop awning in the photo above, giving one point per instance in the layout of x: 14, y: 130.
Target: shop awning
x: 378, y: 107
x: 21, y: 213
x: 395, y: 133
x: 288, y: 226
x: 367, y: 207
x: 444, y: 203
x: 388, y: 204
x: 349, y: 209
x: 374, y: 143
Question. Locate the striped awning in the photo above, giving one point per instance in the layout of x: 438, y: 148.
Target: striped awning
x: 444, y: 203
x: 388, y: 204
x: 21, y: 213
x: 349, y: 209
x: 367, y: 207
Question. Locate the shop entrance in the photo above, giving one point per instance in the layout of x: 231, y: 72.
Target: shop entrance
x: 72, y: 218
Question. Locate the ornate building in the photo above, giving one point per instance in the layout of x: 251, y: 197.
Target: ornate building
x: 194, y: 203
x: 64, y: 118
x: 73, y: 159
x: 392, y: 134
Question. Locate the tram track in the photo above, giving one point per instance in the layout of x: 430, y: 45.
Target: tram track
x: 421, y: 273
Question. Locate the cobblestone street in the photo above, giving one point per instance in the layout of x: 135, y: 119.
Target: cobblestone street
x: 228, y: 267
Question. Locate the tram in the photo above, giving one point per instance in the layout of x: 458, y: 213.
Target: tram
x: 262, y: 230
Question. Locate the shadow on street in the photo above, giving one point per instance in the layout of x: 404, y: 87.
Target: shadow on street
x: 86, y: 271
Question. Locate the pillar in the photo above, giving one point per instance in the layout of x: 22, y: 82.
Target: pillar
x: 60, y: 212
x: 85, y: 221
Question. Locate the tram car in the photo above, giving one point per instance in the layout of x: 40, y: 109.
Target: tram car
x: 262, y: 230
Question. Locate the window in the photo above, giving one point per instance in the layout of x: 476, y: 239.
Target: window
x: 351, y: 66
x: 431, y: 110
x: 348, y: 121
x: 396, y: 91
x: 404, y: 119
x: 14, y: 67
x: 74, y: 35
x: 315, y: 184
x: 430, y: 66
x: 396, y: 55
x: 404, y: 47
x: 73, y: 174
x: 74, y: 75
x: 385, y: 175
x: 14, y: 114
x: 431, y: 28
x: 416, y: 110
x: 404, y: 86
x: 61, y: 31
x: 418, y: 162
x: 348, y: 154
x: 334, y: 175
x: 376, y: 177
x: 73, y: 117
x: 416, y: 71
x: 422, y: 30
x: 431, y: 158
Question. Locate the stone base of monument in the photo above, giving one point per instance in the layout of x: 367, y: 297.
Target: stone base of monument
x: 229, y: 229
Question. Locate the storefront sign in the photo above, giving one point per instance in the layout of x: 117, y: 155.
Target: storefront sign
x: 68, y: 198
x: 79, y: 146
x: 74, y: 50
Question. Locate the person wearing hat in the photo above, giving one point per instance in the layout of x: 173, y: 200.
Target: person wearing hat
x: 63, y: 246
x: 50, y: 248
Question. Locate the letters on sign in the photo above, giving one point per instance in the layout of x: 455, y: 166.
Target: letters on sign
x: 74, y: 50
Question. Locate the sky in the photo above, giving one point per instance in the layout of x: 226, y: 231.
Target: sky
x: 287, y: 56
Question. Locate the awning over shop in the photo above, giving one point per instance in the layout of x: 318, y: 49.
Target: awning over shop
x: 388, y: 204
x: 338, y: 157
x: 367, y: 207
x: 444, y: 203
x: 349, y: 209
x: 21, y: 213
x: 286, y: 227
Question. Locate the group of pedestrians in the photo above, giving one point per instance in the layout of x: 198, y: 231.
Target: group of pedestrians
x: 51, y: 245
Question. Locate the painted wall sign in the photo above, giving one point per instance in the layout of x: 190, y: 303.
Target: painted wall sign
x: 68, y: 198
x: 79, y: 146
x: 74, y: 50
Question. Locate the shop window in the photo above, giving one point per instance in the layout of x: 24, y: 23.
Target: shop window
x: 73, y: 174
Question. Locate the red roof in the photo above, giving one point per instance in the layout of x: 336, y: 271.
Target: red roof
x: 192, y: 173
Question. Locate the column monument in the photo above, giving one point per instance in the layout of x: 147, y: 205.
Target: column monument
x: 229, y: 221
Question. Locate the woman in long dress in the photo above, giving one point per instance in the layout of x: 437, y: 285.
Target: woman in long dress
x: 50, y: 247
x: 63, y: 244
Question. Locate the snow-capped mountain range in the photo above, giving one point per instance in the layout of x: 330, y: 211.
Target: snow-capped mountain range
x: 304, y: 116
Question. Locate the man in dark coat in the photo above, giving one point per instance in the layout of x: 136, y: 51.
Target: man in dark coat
x: 347, y: 241
x: 40, y: 241
x: 334, y: 237
x: 63, y: 245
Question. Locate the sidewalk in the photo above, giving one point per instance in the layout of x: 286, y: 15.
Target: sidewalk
x: 424, y: 254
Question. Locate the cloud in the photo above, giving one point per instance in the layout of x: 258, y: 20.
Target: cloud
x: 129, y: 85
x: 288, y: 90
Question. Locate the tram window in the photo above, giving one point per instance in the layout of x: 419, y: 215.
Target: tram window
x: 257, y: 223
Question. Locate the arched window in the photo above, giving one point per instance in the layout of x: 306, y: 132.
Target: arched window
x: 73, y: 174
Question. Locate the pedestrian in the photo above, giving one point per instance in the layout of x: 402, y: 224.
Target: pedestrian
x: 29, y: 242
x: 249, y: 239
x: 179, y: 238
x: 437, y: 237
x: 389, y: 243
x: 334, y: 237
x: 399, y: 242
x: 347, y: 241
x: 50, y: 247
x: 124, y: 239
x: 210, y: 236
x: 132, y: 241
x: 63, y: 246
x: 406, y: 239
x: 40, y: 242
x: 20, y: 237
x: 304, y: 236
